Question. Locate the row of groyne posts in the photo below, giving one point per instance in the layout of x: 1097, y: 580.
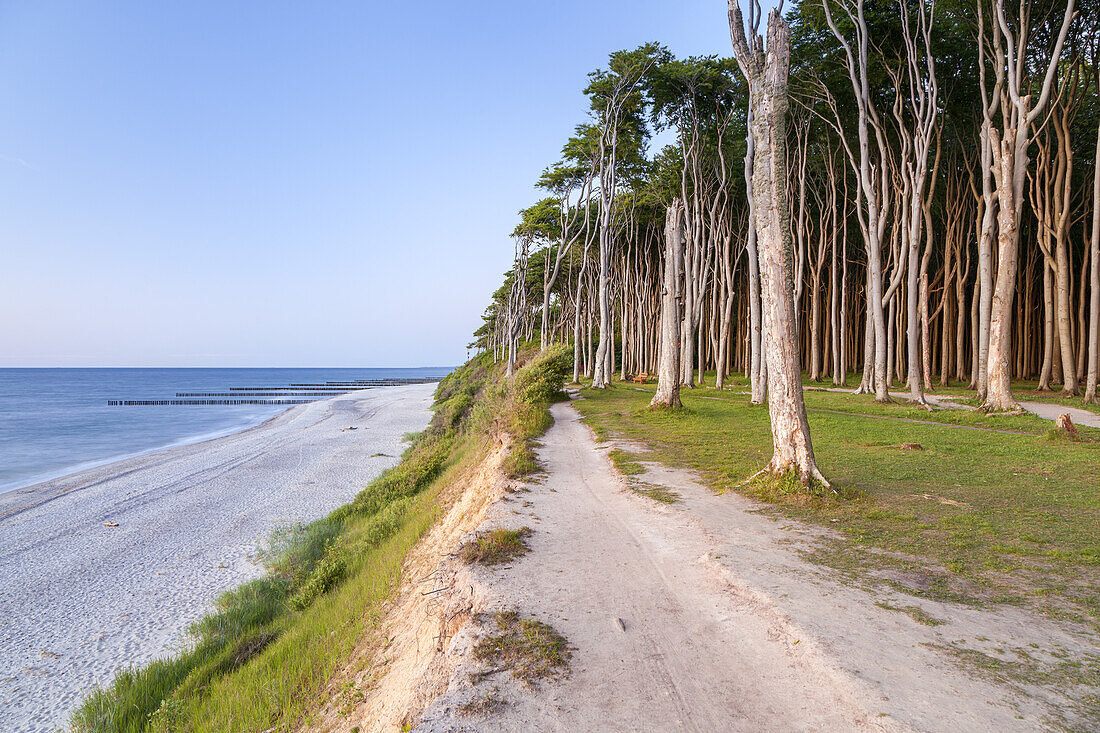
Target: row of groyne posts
x: 292, y: 394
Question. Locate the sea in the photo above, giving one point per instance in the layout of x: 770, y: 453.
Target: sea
x: 57, y: 421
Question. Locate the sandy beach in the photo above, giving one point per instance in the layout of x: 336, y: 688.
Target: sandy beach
x: 80, y: 600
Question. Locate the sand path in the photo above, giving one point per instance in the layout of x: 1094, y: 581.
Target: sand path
x: 79, y: 600
x: 726, y: 627
x: 1045, y: 410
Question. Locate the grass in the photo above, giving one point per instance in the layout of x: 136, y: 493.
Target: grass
x: 531, y: 649
x: 495, y: 546
x: 660, y: 494
x: 263, y: 658
x: 1024, y: 390
x: 916, y: 613
x: 628, y: 467
x: 536, y: 385
x: 625, y: 462
x: 1029, y: 667
x: 989, y: 510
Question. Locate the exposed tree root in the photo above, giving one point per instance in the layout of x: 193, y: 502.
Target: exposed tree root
x: 922, y: 402
x: 807, y: 477
x: 1012, y: 408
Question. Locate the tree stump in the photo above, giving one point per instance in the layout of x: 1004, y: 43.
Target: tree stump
x: 1065, y: 424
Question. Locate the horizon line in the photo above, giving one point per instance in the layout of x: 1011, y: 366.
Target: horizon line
x: 64, y: 366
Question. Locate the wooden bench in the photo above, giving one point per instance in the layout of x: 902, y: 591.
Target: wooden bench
x: 642, y: 378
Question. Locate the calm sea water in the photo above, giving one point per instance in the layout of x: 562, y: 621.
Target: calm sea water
x: 56, y: 421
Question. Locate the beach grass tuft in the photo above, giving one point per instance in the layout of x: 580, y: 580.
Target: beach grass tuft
x: 496, y: 546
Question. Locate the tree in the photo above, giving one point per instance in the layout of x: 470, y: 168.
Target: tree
x: 1008, y: 146
x: 871, y: 173
x: 1094, y: 303
x: 766, y: 72
x: 618, y: 106
x: 668, y: 371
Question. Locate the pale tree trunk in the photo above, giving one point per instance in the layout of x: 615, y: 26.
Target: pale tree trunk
x: 687, y: 325
x: 843, y: 378
x: 668, y: 370
x: 836, y: 334
x: 567, y: 218
x: 767, y: 78
x: 1062, y: 275
x: 577, y: 344
x: 611, y: 118
x: 984, y: 282
x: 961, y: 276
x: 1010, y: 162
x: 757, y: 380
x: 872, y: 190
x: 726, y: 315
x: 517, y: 302
x: 1094, y: 273
x: 601, y: 373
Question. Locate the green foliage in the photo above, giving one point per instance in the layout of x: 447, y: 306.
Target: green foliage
x: 625, y: 462
x: 532, y: 649
x: 540, y: 382
x: 422, y: 464
x: 243, y: 610
x: 449, y: 414
x: 495, y: 546
x: 327, y: 573
x: 293, y: 551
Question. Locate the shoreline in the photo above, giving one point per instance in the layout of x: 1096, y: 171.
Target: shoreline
x: 83, y: 598
x: 50, y: 476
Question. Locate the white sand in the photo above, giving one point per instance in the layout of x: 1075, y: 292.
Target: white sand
x: 79, y: 601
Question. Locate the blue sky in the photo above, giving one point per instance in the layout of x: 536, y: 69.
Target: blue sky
x: 283, y: 183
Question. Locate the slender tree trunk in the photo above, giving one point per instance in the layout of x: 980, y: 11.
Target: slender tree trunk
x: 767, y: 78
x: 668, y: 371
x: 1094, y: 272
x: 577, y: 345
x: 757, y: 381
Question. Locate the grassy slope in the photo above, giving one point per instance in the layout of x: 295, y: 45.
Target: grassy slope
x: 976, y: 516
x: 261, y: 660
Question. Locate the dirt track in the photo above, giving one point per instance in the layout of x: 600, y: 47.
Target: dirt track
x: 727, y: 627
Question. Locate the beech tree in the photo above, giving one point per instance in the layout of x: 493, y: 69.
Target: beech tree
x: 668, y: 370
x: 617, y: 100
x: 765, y: 69
x: 1008, y: 145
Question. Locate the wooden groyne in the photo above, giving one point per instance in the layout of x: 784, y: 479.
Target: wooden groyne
x: 292, y: 394
x: 134, y: 403
x: 242, y: 395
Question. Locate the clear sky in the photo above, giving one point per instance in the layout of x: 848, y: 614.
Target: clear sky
x: 273, y: 183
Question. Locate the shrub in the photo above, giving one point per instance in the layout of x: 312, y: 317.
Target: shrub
x: 326, y: 574
x: 420, y: 466
x: 540, y: 381
x: 449, y: 414
x: 293, y: 551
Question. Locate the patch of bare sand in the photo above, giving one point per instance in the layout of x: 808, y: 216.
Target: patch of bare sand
x: 705, y: 616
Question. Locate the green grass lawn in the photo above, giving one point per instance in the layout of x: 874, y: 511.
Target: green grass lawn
x: 990, y: 510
